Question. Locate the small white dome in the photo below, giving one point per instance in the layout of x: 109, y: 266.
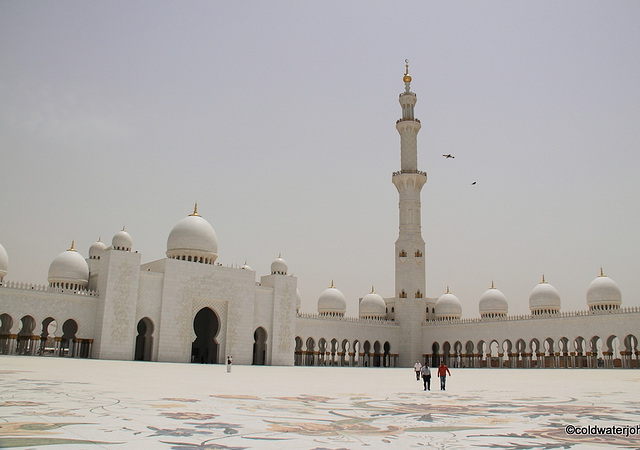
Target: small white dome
x: 279, y: 266
x: 493, y: 303
x: 193, y: 239
x: 96, y: 249
x: 298, y: 300
x: 332, y: 302
x: 4, y: 262
x: 122, y: 241
x: 246, y: 266
x: 448, y: 306
x: 603, y: 293
x: 69, y: 269
x: 373, y: 305
x: 544, y: 299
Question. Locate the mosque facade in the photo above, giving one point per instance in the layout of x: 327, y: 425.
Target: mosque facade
x: 187, y: 307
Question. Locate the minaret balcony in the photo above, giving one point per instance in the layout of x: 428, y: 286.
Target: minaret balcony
x: 407, y: 120
x: 400, y: 172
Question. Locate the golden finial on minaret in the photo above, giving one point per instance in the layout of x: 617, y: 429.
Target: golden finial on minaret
x: 372, y: 290
x: 542, y: 279
x: 447, y: 290
x: 601, y: 272
x: 73, y: 245
x: 492, y: 286
x: 332, y: 286
x: 407, y: 77
x: 195, y: 210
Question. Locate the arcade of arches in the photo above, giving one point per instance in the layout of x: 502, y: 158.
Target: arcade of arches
x: 345, y: 353
x: 53, y: 340
x: 51, y: 337
x: 581, y: 352
x: 56, y: 340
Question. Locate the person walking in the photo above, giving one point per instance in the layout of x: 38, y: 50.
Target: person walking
x: 417, y: 367
x: 426, y: 377
x: 443, y: 370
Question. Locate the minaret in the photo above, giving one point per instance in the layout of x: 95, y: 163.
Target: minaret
x: 410, y: 267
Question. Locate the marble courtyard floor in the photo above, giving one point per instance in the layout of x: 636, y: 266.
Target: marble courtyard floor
x: 61, y: 403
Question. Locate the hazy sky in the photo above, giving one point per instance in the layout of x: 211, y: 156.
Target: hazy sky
x: 278, y: 118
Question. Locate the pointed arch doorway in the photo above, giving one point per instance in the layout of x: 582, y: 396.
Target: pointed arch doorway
x: 67, y: 344
x: 204, y: 349
x: 259, y: 347
x: 144, y: 340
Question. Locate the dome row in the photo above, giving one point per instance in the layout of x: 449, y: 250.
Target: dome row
x: 69, y: 270
x: 194, y: 239
x: 191, y: 239
x: 602, y: 294
x: 333, y: 303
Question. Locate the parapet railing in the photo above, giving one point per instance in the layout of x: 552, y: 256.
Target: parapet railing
x: 46, y: 288
x: 344, y: 319
x: 581, y: 313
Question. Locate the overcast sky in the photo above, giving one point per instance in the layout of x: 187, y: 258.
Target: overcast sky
x: 278, y: 118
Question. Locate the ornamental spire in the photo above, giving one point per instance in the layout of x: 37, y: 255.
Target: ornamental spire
x: 407, y: 77
x: 195, y: 210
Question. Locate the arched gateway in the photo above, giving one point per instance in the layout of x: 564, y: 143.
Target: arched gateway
x: 259, y: 347
x: 204, y: 349
x: 144, y: 340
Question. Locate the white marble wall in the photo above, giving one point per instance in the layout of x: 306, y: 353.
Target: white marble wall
x: 116, y: 309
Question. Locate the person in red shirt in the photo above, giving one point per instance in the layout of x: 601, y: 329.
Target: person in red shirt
x: 443, y: 370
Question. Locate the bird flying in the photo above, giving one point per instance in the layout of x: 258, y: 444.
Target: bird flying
x: 449, y: 156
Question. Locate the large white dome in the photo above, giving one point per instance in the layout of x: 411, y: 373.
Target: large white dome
x: 448, y: 307
x: 372, y: 305
x: 493, y: 303
x: 122, y: 241
x: 69, y: 270
x: 4, y: 262
x: 544, y: 299
x: 603, y: 293
x: 193, y: 239
x: 332, y: 302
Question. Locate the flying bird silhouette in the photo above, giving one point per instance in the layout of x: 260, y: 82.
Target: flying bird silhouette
x: 473, y: 184
x: 449, y: 156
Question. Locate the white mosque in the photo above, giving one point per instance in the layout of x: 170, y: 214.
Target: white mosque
x: 189, y: 308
